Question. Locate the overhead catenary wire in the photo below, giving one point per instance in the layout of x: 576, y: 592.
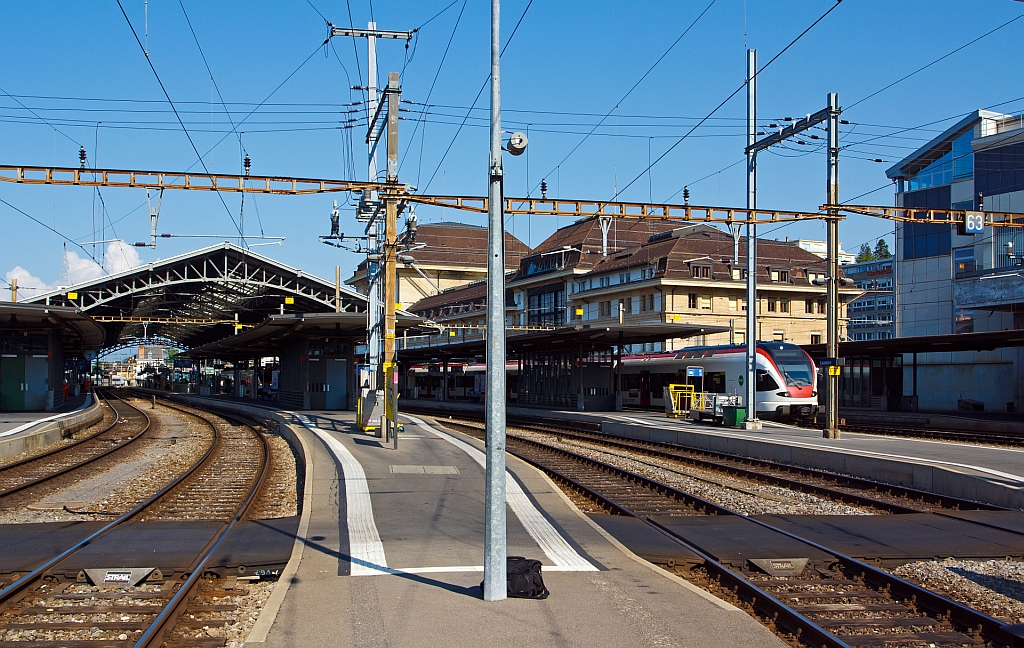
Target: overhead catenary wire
x: 636, y: 85
x: 168, y: 96
x: 941, y: 58
x: 433, y: 83
x: 480, y: 92
x: 731, y: 95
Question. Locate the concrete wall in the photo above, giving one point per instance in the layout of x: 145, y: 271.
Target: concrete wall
x: 49, y: 432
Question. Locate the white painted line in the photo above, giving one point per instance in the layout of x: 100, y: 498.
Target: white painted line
x: 551, y: 542
x: 464, y: 568
x: 22, y: 428
x: 268, y: 615
x: 366, y: 551
x: 856, y: 451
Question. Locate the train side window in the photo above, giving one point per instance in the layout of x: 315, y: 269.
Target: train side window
x: 765, y: 382
x: 715, y: 382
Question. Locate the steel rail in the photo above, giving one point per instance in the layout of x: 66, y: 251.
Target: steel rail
x: 161, y: 626
x: 675, y: 452
x: 652, y: 447
x: 76, y: 466
x: 939, y: 606
x: 8, y: 592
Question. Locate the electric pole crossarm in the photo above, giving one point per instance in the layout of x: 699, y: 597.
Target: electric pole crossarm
x: 377, y: 33
x: 789, y: 131
x: 941, y: 216
x: 641, y: 211
x: 128, y: 178
x: 376, y: 115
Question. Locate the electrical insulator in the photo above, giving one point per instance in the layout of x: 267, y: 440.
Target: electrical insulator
x: 81, y: 156
x: 543, y: 189
x: 247, y: 163
x: 686, y: 195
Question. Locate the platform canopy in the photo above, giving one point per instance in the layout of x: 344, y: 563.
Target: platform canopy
x: 278, y: 331
x: 78, y: 332
x: 982, y: 341
x: 193, y: 299
x: 566, y: 337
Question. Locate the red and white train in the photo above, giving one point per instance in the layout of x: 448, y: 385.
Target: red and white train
x: 786, y: 379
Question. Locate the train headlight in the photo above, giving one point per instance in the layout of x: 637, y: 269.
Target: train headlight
x: 782, y: 393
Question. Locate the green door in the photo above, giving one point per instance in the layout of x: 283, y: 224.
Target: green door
x: 37, y: 381
x: 12, y: 379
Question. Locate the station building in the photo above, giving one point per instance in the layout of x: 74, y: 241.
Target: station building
x: 439, y: 257
x: 872, y: 314
x: 651, y: 272
x: 227, y: 306
x: 948, y: 282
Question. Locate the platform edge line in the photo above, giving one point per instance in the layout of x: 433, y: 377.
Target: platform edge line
x: 685, y: 584
x: 268, y: 615
x: 550, y: 541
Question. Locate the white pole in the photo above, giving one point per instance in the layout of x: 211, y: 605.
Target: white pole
x: 752, y: 423
x: 495, y: 588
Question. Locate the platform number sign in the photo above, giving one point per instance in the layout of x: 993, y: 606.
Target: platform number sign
x: 695, y: 372
x: 974, y: 222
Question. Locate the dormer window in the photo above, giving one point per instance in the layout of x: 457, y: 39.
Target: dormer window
x: 700, y: 271
x: 778, y: 276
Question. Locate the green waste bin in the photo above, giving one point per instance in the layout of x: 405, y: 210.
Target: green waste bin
x: 733, y: 416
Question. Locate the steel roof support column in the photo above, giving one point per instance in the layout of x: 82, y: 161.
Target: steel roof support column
x: 495, y: 550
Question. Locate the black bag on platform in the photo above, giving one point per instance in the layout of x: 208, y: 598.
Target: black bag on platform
x: 524, y: 579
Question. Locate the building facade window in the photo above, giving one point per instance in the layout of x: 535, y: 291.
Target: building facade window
x: 783, y: 306
x: 691, y: 300
x: 771, y: 306
x: 705, y: 302
x: 815, y: 338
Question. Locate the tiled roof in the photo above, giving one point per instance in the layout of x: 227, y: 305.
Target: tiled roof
x: 676, y: 256
x: 472, y: 293
x: 458, y: 244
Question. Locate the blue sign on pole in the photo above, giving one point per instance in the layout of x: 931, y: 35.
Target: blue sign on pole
x: 974, y: 222
x: 828, y: 362
x: 695, y: 372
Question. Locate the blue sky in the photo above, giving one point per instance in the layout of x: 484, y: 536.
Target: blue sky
x: 76, y: 65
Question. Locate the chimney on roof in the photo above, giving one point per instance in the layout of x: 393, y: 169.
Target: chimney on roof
x: 606, y: 223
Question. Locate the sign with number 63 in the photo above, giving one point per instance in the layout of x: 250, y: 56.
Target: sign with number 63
x: 975, y: 222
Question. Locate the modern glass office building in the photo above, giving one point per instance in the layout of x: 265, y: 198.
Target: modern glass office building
x: 950, y: 282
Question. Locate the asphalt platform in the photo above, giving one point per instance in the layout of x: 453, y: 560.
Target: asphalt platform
x: 392, y: 549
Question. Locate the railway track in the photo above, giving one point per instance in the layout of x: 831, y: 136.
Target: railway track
x: 857, y: 491
x: 129, y: 425
x: 220, y: 485
x: 836, y: 601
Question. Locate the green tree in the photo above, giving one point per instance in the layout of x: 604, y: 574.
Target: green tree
x: 882, y: 250
x: 865, y: 253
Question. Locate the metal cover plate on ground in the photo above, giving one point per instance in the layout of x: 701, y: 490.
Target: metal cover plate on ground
x: 425, y: 470
x: 780, y: 566
x: 645, y: 541
x: 895, y: 538
x: 735, y: 539
x: 167, y: 544
x: 120, y: 576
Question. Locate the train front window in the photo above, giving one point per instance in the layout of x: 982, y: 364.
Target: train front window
x: 794, y: 366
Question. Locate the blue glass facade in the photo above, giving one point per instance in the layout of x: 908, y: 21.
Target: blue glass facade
x: 922, y: 240
x: 999, y: 170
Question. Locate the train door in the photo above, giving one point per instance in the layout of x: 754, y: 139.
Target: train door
x: 645, y: 388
